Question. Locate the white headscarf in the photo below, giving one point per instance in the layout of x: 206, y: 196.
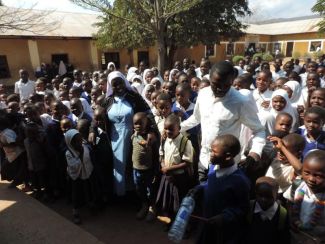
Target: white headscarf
x: 131, y: 72
x: 144, y: 76
x: 156, y: 78
x: 62, y: 68
x: 139, y: 87
x: 112, y: 76
x: 146, y: 88
x: 296, y: 91
x: 109, y: 64
x: 172, y: 72
x: 270, y: 120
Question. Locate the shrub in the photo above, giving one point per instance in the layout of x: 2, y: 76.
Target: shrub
x: 267, y: 57
x: 296, y: 55
x: 258, y: 55
x: 236, y: 59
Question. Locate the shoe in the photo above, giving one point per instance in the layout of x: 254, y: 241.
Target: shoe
x: 143, y: 212
x: 151, y: 216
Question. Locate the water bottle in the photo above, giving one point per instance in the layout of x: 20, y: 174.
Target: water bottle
x: 178, y: 228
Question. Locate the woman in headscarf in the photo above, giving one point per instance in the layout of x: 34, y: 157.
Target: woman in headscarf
x: 137, y: 83
x: 146, y: 94
x: 111, y: 67
x: 293, y: 89
x: 172, y: 74
x: 131, y: 73
x: 120, y: 105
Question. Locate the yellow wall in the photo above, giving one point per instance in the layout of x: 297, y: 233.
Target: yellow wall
x: 78, y: 52
x: 17, y: 53
x: 301, y: 47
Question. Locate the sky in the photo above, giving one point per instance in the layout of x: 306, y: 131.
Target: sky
x: 263, y: 9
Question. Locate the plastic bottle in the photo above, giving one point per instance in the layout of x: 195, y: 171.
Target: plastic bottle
x: 178, y: 228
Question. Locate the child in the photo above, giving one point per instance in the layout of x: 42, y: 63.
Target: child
x: 175, y: 166
x: 102, y: 153
x: 153, y: 100
x: 137, y: 83
x: 268, y: 220
x: 95, y: 93
x: 262, y: 94
x: 164, y: 107
x: 311, y: 68
x: 83, y: 128
x: 195, y: 84
x: 204, y: 83
x: 287, y: 165
x: 312, y: 129
x: 65, y: 125
x: 156, y: 83
x: 225, y: 194
x: 86, y: 86
x: 313, y: 82
x: 294, y: 92
x: 146, y: 94
x: 145, y: 162
x: 317, y: 98
x: 170, y: 88
x: 308, y: 213
x: 78, y: 111
x: 38, y: 156
x: 76, y: 93
x: 279, y: 83
x: 243, y: 81
x: 40, y: 87
x: 79, y: 169
x: 166, y: 75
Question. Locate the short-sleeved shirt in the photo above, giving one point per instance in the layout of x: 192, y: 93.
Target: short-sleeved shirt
x: 160, y: 123
x: 142, y: 156
x: 24, y: 89
x: 172, y: 152
x: 281, y: 173
x: 319, y: 143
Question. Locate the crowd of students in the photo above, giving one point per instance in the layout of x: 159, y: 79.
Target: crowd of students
x: 246, y: 141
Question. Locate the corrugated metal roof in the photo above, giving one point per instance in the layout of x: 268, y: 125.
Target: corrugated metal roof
x: 59, y: 24
x: 285, y: 27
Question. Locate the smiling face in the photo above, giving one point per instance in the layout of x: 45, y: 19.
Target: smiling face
x: 278, y: 103
x: 317, y: 98
x: 140, y: 123
x: 313, y: 173
x: 262, y: 82
x: 164, y: 108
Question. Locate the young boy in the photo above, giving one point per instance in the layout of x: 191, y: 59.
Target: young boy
x: 268, y: 220
x: 78, y: 111
x: 164, y: 107
x: 312, y: 129
x: 308, y: 199
x: 145, y: 162
x: 287, y: 165
x: 225, y: 194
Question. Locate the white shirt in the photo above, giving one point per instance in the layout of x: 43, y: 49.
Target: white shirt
x: 277, y: 75
x: 225, y: 171
x: 261, y: 97
x: 267, y: 214
x: 219, y: 116
x: 303, y: 79
x: 240, y: 70
x: 282, y: 173
x: 24, y: 89
x: 297, y: 68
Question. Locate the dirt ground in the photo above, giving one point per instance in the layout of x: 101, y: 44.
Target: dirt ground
x: 115, y: 224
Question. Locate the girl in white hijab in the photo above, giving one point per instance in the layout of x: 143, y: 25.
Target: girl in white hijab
x: 79, y: 169
x: 172, y: 74
x: 280, y: 102
x: 146, y: 94
x: 131, y: 72
x: 111, y: 66
x: 137, y: 83
x: 293, y: 89
x: 144, y: 76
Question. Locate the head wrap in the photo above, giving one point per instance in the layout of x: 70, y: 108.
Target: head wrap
x: 112, y: 76
x: 296, y: 91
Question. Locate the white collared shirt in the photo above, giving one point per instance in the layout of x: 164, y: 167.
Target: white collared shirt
x: 261, y: 97
x: 24, y: 89
x: 277, y: 75
x: 225, y: 171
x: 219, y: 116
x: 189, y: 108
x: 267, y: 214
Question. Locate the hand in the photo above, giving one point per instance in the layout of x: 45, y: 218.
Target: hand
x: 92, y: 138
x: 277, y: 142
x: 265, y: 104
x: 164, y: 170
x: 150, y: 139
x: 255, y: 156
x: 216, y: 220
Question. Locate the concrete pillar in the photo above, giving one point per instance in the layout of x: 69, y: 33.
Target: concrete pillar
x: 94, y: 55
x: 33, y: 54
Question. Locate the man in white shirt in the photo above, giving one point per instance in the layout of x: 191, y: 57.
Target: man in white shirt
x: 222, y: 110
x: 24, y: 87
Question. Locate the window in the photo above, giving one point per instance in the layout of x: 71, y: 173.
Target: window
x: 230, y: 48
x: 209, y: 50
x: 276, y: 47
x: 4, y: 68
x: 315, y: 46
x: 111, y: 57
x: 143, y: 56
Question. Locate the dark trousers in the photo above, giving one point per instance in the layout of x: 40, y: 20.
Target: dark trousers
x: 143, y: 184
x: 81, y: 192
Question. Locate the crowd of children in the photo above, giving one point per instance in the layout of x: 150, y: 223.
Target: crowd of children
x: 99, y: 136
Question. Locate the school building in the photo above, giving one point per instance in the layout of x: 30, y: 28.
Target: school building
x: 73, y: 42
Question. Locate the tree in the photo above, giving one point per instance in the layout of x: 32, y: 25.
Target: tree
x: 26, y: 19
x: 169, y: 24
x: 319, y: 8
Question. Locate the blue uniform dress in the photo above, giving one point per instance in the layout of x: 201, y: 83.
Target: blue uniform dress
x: 120, y: 116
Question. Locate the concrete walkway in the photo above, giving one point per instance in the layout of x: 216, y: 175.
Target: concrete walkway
x: 24, y: 220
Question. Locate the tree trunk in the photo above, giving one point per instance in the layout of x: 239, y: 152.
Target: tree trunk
x: 162, y: 53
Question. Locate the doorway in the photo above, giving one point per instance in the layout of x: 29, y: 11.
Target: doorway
x: 143, y: 56
x: 289, y: 49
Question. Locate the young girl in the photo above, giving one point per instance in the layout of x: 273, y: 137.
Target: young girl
x: 146, y: 94
x: 262, y: 94
x: 153, y: 100
x: 195, y: 84
x: 156, y: 83
x: 293, y: 89
x: 317, y: 98
x: 79, y: 169
x: 137, y: 83
x: 312, y: 130
x: 164, y: 107
x: 313, y: 82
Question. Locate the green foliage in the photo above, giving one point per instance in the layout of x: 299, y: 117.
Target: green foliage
x: 318, y: 54
x: 236, y: 59
x: 267, y: 57
x: 296, y: 55
x: 319, y: 8
x: 257, y: 55
x: 306, y: 56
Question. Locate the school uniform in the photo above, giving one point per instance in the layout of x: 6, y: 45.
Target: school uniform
x: 175, y: 185
x: 268, y: 226
x: 319, y: 143
x: 261, y: 97
x: 86, y: 96
x: 277, y: 75
x: 282, y: 173
x: 86, y: 106
x: 226, y: 192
